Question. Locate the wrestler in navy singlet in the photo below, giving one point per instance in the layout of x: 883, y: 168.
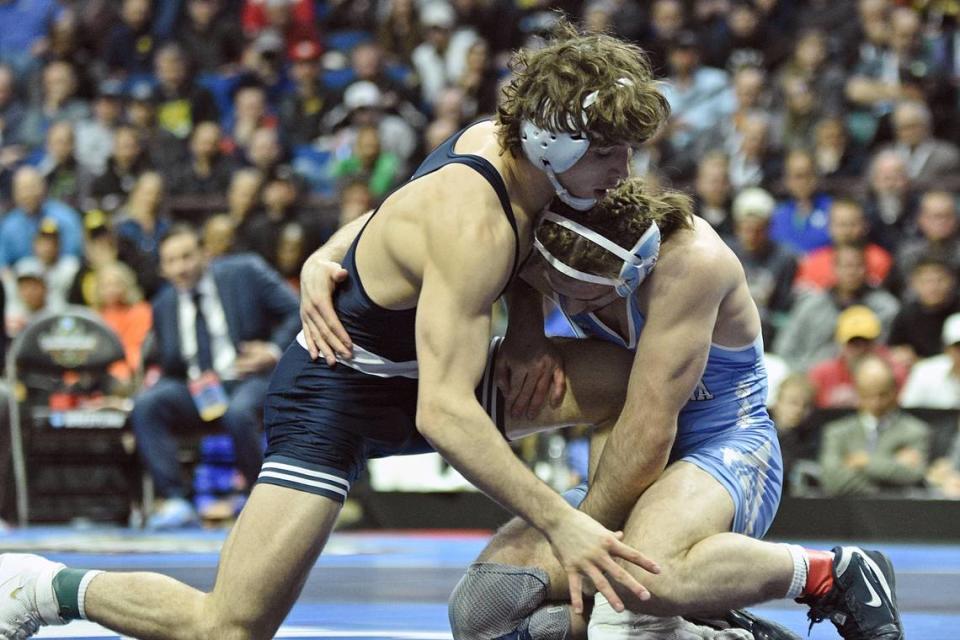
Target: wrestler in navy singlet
x: 324, y: 423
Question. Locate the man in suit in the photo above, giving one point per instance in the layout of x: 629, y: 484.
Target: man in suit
x: 219, y: 331
x: 878, y: 449
x: 928, y: 159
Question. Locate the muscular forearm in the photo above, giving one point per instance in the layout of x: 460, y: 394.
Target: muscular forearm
x: 459, y: 433
x: 336, y: 247
x: 633, y: 457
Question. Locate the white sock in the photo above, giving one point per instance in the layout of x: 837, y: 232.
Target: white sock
x: 800, y: 568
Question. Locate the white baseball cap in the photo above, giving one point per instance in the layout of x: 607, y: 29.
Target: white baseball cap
x: 951, y: 330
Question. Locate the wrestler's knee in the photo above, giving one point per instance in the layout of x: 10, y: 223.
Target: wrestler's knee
x: 494, y: 601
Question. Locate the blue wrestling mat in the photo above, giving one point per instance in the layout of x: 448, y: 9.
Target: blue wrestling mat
x: 390, y: 586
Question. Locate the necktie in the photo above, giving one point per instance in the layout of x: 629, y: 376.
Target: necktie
x: 204, y: 351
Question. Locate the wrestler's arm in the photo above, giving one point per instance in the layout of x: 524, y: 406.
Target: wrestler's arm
x: 467, y: 265
x: 318, y: 278
x: 529, y: 370
x: 669, y: 362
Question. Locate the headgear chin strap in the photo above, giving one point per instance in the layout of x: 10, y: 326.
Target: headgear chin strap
x: 555, y: 152
x: 638, y: 262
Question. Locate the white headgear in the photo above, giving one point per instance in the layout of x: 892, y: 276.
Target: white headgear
x: 554, y: 152
x: 638, y: 262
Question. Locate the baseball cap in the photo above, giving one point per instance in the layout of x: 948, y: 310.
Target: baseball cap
x: 268, y: 41
x: 49, y: 227
x: 685, y: 40
x: 857, y: 321
x: 361, y: 94
x: 305, y: 51
x: 143, y: 92
x: 753, y: 203
x: 28, y: 268
x: 951, y: 330
x: 111, y: 88
x: 438, y: 14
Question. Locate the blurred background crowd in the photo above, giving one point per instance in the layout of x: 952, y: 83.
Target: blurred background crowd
x: 819, y: 138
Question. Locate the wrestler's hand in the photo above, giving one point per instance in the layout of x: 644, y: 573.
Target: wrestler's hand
x: 528, y: 372
x: 584, y: 547
x: 321, y: 328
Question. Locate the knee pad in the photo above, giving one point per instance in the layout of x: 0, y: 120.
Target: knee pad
x: 504, y: 602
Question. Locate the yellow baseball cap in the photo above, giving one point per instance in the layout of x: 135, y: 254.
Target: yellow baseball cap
x: 857, y: 321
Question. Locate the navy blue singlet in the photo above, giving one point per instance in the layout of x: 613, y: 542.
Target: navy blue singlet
x: 390, y: 333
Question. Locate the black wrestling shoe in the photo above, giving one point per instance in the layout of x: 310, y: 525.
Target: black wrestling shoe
x: 862, y: 604
x: 743, y: 619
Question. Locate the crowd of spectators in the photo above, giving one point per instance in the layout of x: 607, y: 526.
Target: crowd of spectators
x: 820, y: 140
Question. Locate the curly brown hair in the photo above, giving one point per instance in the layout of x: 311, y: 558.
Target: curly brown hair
x: 548, y: 87
x: 622, y: 216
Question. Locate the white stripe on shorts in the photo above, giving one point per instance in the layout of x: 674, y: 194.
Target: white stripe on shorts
x: 302, y: 481
x: 307, y: 472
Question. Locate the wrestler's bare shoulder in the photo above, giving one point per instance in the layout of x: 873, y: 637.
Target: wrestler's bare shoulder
x: 700, y: 255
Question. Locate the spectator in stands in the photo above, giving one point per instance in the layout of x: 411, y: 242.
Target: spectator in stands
x: 362, y: 106
x: 939, y: 228
x: 65, y: 178
x: 847, y: 225
x: 808, y: 334
x: 400, y: 31
x: 27, y: 300
x: 749, y: 94
x: 24, y: 27
x: 280, y: 208
x: 944, y: 473
x: 880, y: 449
x: 59, y: 270
x: 891, y: 200
x: 142, y: 221
x: 935, y: 382
x: 243, y: 196
x: 265, y: 153
x: 812, y: 64
x: 250, y: 112
x: 102, y: 247
x: 875, y: 85
x: 698, y: 100
x: 928, y: 159
x: 479, y: 81
x: 221, y: 326
x: 57, y: 101
x: 94, y: 135
x: 119, y: 301
x: 303, y: 109
x: 20, y: 225
x: 11, y: 109
x: 368, y: 161
x: 857, y: 333
x: 741, y: 37
x: 218, y: 236
x: 368, y: 62
x: 128, y: 160
x: 836, y: 156
x: 208, y: 171
x: 294, y: 20
x: 166, y: 151
x: 210, y: 36
x: 131, y: 44
x: 791, y: 411
x: 182, y: 103
x: 355, y: 200
x: 753, y: 163
x: 667, y: 19
x: 800, y: 222
x: 712, y: 193
x: 933, y: 297
x: 440, y: 59
x: 769, y: 268
x: 799, y: 115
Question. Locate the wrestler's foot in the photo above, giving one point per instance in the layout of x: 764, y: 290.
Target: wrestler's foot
x: 862, y: 603
x: 607, y: 624
x: 26, y: 595
x: 760, y: 628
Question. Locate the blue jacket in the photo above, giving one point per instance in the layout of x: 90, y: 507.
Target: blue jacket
x: 257, y: 304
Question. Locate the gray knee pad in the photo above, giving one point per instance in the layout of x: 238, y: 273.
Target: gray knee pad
x: 494, y: 601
